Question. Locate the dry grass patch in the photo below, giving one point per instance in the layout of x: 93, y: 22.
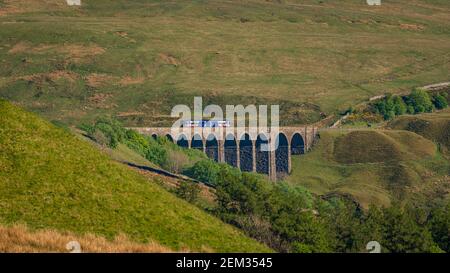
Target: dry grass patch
x: 19, y: 239
x: 412, y: 27
x: 74, y: 53
x: 23, y: 6
x: 78, y: 53
x: 99, y: 80
x: 130, y: 80
x: 52, y: 76
x: 99, y: 100
x: 169, y: 59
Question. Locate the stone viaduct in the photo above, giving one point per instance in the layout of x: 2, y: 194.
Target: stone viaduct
x: 244, y: 149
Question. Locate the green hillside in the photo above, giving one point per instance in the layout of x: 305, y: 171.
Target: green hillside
x: 374, y: 167
x: 50, y: 179
x: 138, y: 58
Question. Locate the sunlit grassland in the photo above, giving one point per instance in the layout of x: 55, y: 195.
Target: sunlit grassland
x: 157, y: 54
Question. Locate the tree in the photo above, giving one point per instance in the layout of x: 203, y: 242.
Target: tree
x: 410, y: 109
x: 402, y: 235
x: 232, y: 194
x: 391, y: 106
x: 420, y: 100
x: 137, y: 142
x: 371, y: 228
x: 399, y: 106
x: 389, y: 115
x: 112, y: 132
x: 439, y: 101
x: 156, y: 154
x: 307, y: 232
x: 439, y: 225
x: 205, y: 170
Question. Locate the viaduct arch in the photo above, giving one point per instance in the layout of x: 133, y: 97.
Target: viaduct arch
x: 246, y: 151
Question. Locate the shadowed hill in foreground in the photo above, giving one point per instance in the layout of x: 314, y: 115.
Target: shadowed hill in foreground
x: 50, y: 179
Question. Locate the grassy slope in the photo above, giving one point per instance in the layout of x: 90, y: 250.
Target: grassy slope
x: 434, y: 126
x: 139, y: 58
x: 373, y: 166
x: 51, y: 179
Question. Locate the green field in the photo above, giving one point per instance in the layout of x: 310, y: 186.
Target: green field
x: 137, y: 59
x: 50, y: 179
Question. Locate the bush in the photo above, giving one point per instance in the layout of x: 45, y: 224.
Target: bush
x: 137, y: 142
x: 399, y: 106
x: 100, y: 138
x: 112, y: 132
x: 176, y: 161
x: 403, y: 235
x: 240, y: 192
x: 146, y: 146
x: 439, y: 225
x: 298, y: 247
x: 420, y: 100
x: 389, y: 115
x: 439, y: 101
x: 205, y: 170
x: 189, y: 191
x: 391, y: 106
x: 156, y: 154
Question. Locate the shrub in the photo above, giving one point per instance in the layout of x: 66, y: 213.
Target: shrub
x: 403, y: 235
x: 233, y: 196
x: 298, y: 247
x: 439, y: 101
x: 176, y: 161
x: 189, y: 191
x: 439, y: 225
x: 399, y: 106
x: 137, y: 142
x: 389, y: 115
x: 391, y: 106
x: 156, y: 153
x: 420, y: 100
x: 112, y: 131
x: 100, y: 138
x: 205, y: 170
